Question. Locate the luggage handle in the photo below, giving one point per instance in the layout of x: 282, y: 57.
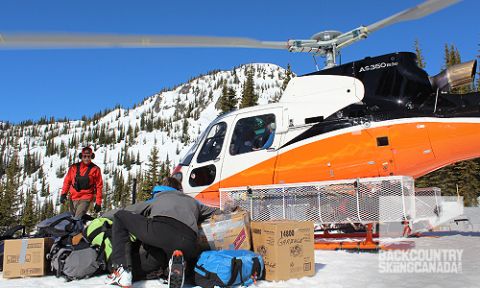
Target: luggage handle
x: 236, y: 269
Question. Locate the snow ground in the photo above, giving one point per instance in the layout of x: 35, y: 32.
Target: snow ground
x: 337, y: 269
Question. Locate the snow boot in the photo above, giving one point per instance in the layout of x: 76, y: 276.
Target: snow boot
x: 120, y: 277
x: 176, y: 268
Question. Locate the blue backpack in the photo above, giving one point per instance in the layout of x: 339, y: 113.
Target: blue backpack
x: 228, y: 268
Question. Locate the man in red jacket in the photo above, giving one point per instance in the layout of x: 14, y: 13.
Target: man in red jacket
x: 84, y: 182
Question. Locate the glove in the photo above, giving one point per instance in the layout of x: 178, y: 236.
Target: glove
x: 231, y: 209
x: 63, y: 198
x: 97, y: 208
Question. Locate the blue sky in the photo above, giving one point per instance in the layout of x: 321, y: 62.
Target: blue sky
x: 72, y: 83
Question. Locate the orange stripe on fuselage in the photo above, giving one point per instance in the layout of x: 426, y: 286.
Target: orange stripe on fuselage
x: 414, y: 149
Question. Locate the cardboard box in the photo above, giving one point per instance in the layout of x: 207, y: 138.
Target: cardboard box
x: 287, y: 248
x: 226, y: 232
x: 25, y: 257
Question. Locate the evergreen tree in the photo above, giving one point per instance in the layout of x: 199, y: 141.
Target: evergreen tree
x: 166, y: 168
x: 118, y: 189
x: 63, y: 150
x: 138, y: 158
x: 467, y: 173
x: 2, y: 163
x: 228, y: 101
x: 418, y: 51
x: 152, y: 177
x: 61, y: 170
x: 127, y: 191
x: 40, y: 172
x: 288, y: 77
x: 107, y: 203
x: 50, y: 211
x: 249, y: 98
x: 126, y: 158
x: 10, y: 191
x: 29, y: 218
x: 27, y: 163
x: 185, y: 135
x: 44, y: 190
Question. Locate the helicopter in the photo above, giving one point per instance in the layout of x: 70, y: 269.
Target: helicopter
x: 374, y: 117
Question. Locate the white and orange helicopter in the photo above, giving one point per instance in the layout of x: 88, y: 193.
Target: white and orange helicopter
x: 374, y: 117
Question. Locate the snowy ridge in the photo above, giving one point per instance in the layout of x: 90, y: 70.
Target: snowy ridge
x: 170, y: 120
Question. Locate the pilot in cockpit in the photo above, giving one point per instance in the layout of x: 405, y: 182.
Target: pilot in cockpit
x: 269, y: 135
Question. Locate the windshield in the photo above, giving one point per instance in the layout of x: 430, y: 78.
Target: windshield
x: 185, y: 161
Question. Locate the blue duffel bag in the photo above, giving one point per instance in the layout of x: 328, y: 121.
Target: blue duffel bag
x: 228, y: 268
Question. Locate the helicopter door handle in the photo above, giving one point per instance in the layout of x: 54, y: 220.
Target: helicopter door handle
x: 272, y: 149
x: 216, y: 159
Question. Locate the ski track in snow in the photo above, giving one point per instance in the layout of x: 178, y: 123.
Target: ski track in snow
x: 334, y: 269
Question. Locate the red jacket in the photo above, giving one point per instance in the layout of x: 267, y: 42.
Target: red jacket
x: 95, y: 180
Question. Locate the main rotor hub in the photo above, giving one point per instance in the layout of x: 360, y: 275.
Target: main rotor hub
x: 326, y: 35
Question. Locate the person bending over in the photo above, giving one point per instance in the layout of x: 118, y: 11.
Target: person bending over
x: 168, y: 221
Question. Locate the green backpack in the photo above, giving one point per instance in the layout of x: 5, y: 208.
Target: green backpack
x: 99, y: 234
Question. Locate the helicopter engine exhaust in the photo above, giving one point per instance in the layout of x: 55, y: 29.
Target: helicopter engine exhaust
x: 455, y: 76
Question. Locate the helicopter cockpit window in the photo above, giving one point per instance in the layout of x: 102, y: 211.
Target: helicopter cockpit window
x: 253, y: 134
x: 213, y: 143
x: 185, y: 161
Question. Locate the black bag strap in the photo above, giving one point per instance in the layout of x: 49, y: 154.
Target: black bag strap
x: 207, y: 273
x: 93, y: 235
x: 61, y: 262
x: 256, y: 269
x: 74, y: 184
x: 102, y: 256
x: 236, y: 269
x: 86, y: 218
x: 78, y: 169
x: 90, y: 167
x: 105, y: 228
x: 10, y: 232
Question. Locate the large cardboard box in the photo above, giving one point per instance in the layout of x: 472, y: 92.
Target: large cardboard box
x: 226, y: 232
x: 287, y: 248
x: 25, y: 257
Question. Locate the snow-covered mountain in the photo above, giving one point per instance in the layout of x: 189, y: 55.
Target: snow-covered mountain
x: 123, y: 138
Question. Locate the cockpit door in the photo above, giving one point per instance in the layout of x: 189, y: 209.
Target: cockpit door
x: 204, y: 171
x: 252, y: 148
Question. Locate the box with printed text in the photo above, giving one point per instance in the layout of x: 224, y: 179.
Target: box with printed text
x: 25, y: 257
x: 287, y: 248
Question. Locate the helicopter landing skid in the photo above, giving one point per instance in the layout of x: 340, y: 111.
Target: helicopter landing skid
x: 357, y: 241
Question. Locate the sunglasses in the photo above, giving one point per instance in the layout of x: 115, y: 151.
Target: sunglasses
x: 86, y: 156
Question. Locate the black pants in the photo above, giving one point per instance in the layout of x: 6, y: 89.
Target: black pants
x: 165, y: 233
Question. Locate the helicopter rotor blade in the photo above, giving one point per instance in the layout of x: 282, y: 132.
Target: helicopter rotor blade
x: 419, y: 11
x: 47, y: 41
